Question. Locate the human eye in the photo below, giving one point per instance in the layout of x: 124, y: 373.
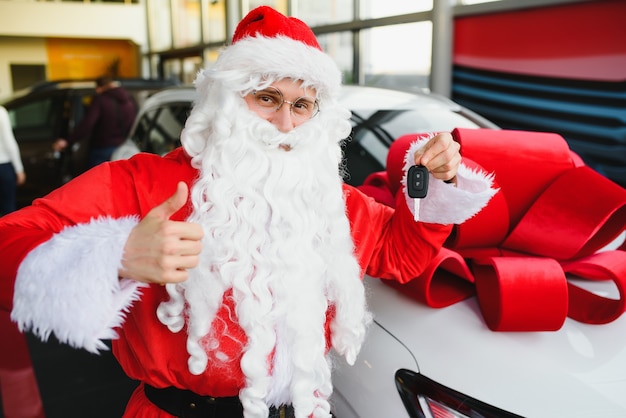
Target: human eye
x: 267, y: 98
x: 303, y: 106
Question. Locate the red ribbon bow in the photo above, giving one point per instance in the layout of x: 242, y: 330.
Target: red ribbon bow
x: 520, y: 255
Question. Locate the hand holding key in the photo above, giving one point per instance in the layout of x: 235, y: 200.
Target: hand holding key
x: 441, y: 156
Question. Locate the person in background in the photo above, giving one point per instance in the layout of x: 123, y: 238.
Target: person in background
x: 11, y: 168
x: 18, y: 385
x: 107, y: 122
x: 225, y: 271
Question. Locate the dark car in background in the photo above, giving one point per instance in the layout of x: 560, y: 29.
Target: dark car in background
x: 50, y: 110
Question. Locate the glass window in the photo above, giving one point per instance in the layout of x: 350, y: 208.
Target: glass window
x: 37, y: 118
x: 172, y: 69
x: 280, y: 5
x: 186, y: 18
x: 340, y: 47
x: 159, y: 24
x: 215, y: 22
x: 397, y: 56
x: 323, y: 12
x: 158, y: 131
x: 154, y: 62
x: 210, y: 55
x: 382, y: 8
x: 191, y: 66
x: 30, y: 115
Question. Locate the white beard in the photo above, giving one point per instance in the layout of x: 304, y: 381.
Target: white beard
x: 277, y: 235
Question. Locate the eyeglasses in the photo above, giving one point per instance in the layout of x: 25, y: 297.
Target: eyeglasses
x: 271, y: 100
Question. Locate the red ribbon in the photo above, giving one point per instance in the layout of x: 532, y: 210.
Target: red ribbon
x: 446, y: 280
x: 579, y: 213
x: 521, y: 293
x: 518, y: 255
x: 589, y: 307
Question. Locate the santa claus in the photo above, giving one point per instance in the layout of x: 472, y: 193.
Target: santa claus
x: 227, y: 301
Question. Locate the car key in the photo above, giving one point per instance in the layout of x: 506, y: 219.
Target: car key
x: 417, y: 181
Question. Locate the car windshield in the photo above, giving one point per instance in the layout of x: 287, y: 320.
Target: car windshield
x: 158, y: 130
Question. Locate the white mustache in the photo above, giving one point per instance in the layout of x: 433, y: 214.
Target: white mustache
x: 266, y: 133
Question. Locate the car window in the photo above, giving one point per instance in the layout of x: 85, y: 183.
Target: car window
x: 32, y: 114
x: 36, y: 119
x: 158, y: 130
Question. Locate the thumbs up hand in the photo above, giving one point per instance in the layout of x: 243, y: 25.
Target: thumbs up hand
x: 159, y: 250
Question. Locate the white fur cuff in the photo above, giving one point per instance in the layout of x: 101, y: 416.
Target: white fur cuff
x: 69, y: 285
x: 447, y: 203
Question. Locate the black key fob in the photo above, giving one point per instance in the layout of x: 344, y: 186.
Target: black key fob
x: 417, y: 181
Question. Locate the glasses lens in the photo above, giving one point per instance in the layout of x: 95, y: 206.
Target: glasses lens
x: 268, y: 99
x: 271, y: 99
x: 304, y: 107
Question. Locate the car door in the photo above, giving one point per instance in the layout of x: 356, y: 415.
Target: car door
x: 36, y: 121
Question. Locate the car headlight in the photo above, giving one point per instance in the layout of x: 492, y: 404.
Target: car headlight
x: 425, y: 398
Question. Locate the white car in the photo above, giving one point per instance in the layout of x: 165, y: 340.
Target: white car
x: 418, y: 361
x: 423, y: 362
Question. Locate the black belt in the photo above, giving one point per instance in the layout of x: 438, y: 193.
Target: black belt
x: 186, y: 404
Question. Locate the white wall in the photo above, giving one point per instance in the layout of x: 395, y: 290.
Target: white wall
x: 74, y: 20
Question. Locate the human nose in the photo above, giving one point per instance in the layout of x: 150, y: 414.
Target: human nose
x: 283, y: 118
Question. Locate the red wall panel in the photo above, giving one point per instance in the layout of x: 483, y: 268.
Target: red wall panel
x: 581, y: 40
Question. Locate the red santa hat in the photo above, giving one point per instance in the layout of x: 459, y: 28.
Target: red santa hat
x: 266, y: 21
x: 270, y: 44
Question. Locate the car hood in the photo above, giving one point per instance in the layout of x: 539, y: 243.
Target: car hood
x: 577, y: 371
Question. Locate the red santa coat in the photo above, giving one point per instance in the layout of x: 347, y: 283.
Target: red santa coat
x: 389, y: 244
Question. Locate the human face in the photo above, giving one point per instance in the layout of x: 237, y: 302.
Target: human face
x: 284, y: 118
